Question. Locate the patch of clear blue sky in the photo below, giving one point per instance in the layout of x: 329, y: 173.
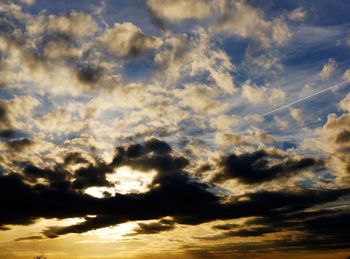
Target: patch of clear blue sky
x: 319, y: 13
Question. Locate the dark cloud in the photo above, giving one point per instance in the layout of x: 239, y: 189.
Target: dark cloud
x: 154, y: 228
x: 261, y: 166
x: 8, y: 130
x: 6, y: 127
x: 89, y: 74
x: 56, y: 178
x: 313, y: 230
x: 175, y: 197
x: 152, y: 145
x: 135, y: 150
x: 158, y: 146
x: 226, y: 226
x: 3, y: 113
x: 252, y: 232
x: 19, y: 144
x: 28, y: 238
x: 74, y: 158
x: 343, y: 136
x: 92, y: 175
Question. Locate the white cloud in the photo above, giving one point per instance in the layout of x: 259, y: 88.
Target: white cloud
x: 241, y: 19
x: 201, y: 98
x: 297, y: 114
x: 268, y: 62
x: 28, y: 2
x: 260, y: 94
x: 176, y: 11
x: 224, y: 122
x: 298, y: 14
x: 345, y: 103
x: 183, y: 56
x: 281, y: 123
x: 346, y: 74
x: 76, y: 24
x: 328, y: 69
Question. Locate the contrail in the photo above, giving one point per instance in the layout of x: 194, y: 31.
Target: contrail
x: 307, y: 97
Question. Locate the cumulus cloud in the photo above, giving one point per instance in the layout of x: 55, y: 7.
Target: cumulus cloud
x: 298, y: 14
x: 224, y: 122
x: 243, y: 20
x: 280, y: 123
x: 345, y: 103
x: 11, y: 111
x: 328, y: 69
x: 201, y: 99
x: 335, y: 142
x: 268, y: 62
x: 252, y: 136
x: 64, y: 139
x: 154, y: 228
x: 261, y: 166
x: 183, y: 56
x: 297, y: 114
x: 76, y: 24
x: 128, y: 40
x: 346, y: 74
x: 173, y: 192
x: 28, y: 2
x: 259, y: 94
x: 179, y: 10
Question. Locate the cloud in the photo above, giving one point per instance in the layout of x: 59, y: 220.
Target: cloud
x: 76, y: 24
x: 92, y: 175
x: 201, y: 99
x: 19, y: 145
x: 89, y: 74
x: 4, y: 117
x: 174, y: 193
x: 298, y: 14
x: 262, y: 165
x: 335, y: 142
x: 224, y: 122
x: 75, y: 84
x: 297, y: 114
x: 184, y: 57
x: 345, y: 103
x: 28, y: 2
x: 307, y: 229
x: 252, y: 136
x: 328, y: 69
x: 268, y: 62
x: 28, y: 238
x: 238, y: 18
x: 128, y: 40
x: 346, y: 74
x: 154, y: 228
x: 179, y: 10
x: 280, y: 123
x: 60, y: 48
x: 259, y: 94
x: 12, y: 109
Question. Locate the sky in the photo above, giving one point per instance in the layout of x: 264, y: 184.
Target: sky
x: 174, y: 129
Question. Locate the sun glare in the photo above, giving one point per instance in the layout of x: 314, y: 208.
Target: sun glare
x: 124, y: 180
